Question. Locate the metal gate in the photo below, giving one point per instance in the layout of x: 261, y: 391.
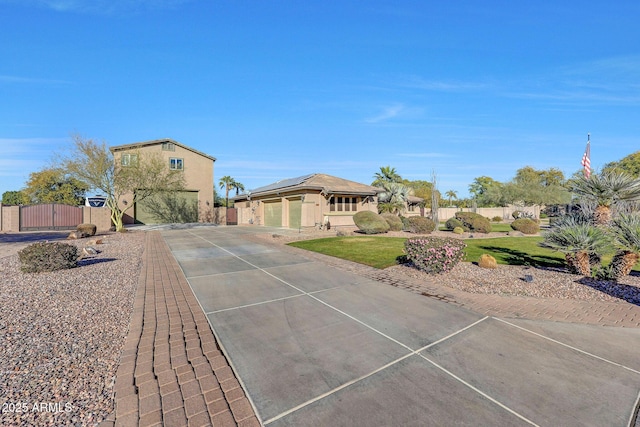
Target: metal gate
x: 232, y: 216
x: 50, y: 217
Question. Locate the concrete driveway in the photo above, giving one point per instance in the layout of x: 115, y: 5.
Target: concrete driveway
x: 317, y: 346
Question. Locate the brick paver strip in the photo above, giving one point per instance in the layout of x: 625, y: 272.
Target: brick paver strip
x: 171, y: 367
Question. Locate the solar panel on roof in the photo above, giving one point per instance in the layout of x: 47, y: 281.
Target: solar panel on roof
x: 285, y: 183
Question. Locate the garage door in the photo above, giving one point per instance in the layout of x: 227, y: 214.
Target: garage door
x: 173, y: 207
x: 273, y: 214
x: 295, y: 213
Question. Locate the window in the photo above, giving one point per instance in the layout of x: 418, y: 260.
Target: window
x: 343, y: 204
x: 168, y: 146
x: 129, y: 159
x: 176, y: 164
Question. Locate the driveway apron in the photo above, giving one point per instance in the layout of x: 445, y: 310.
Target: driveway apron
x: 316, y: 346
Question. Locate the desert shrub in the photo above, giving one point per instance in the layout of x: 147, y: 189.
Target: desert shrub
x: 526, y: 226
x: 434, y: 254
x: 516, y: 214
x: 394, y: 221
x: 453, y: 223
x: 458, y: 230
x: 87, y: 229
x: 543, y: 215
x: 487, y: 261
x: 420, y: 225
x: 370, y: 222
x: 46, y: 256
x: 496, y: 218
x: 474, y: 222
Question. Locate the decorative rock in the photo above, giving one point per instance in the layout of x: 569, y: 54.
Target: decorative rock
x: 487, y: 261
x: 89, y: 251
x: 76, y: 235
x: 95, y: 242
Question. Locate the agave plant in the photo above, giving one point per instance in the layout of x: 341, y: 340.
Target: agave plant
x: 626, y: 232
x: 607, y: 189
x: 582, y: 242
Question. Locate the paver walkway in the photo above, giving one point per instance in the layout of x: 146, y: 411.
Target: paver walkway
x: 172, y: 372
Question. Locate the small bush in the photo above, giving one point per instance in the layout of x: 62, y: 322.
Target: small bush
x: 87, y: 229
x: 526, y: 226
x: 370, y: 222
x: 44, y: 256
x: 496, y: 218
x: 474, y: 222
x: 458, y: 230
x: 487, y: 261
x: 543, y: 215
x: 434, y: 254
x: 453, y: 223
x: 394, y: 221
x: 420, y: 225
x: 516, y: 214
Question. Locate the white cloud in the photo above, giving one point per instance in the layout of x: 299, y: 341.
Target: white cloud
x: 99, y: 6
x: 387, y: 113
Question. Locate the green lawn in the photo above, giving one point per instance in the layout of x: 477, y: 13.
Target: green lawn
x: 383, y: 252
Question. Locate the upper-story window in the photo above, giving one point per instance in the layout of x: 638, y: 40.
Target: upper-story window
x: 176, y: 164
x: 129, y: 159
x: 168, y: 146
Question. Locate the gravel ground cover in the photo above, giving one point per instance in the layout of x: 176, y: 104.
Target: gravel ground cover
x: 62, y: 333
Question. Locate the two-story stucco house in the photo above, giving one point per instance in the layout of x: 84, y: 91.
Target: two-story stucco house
x: 196, y: 166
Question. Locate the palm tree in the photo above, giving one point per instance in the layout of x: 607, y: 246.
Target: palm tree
x: 386, y: 174
x: 238, y: 186
x: 451, y: 194
x: 581, y: 241
x: 626, y: 232
x: 394, y: 197
x: 607, y: 189
x: 227, y: 183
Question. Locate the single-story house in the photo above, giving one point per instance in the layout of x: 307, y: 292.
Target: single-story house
x: 306, y: 201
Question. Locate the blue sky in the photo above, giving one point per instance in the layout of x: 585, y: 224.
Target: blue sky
x: 279, y: 89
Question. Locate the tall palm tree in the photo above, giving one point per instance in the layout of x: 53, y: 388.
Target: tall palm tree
x: 451, y: 194
x: 607, y: 189
x: 227, y: 183
x: 394, y: 197
x: 238, y: 186
x: 386, y: 174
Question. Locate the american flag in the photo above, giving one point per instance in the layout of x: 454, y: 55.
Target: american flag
x: 586, y: 159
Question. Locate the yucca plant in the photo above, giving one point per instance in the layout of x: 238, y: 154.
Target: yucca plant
x: 607, y: 189
x: 626, y: 232
x: 581, y: 241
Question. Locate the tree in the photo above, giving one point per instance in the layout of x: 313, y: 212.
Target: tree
x: 227, y: 183
x: 607, y: 190
x: 55, y: 186
x: 484, y: 190
x: 94, y: 163
x: 386, y: 174
x: 629, y: 165
x: 393, y: 198
x: 451, y: 194
x: 238, y: 187
x: 14, y: 198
